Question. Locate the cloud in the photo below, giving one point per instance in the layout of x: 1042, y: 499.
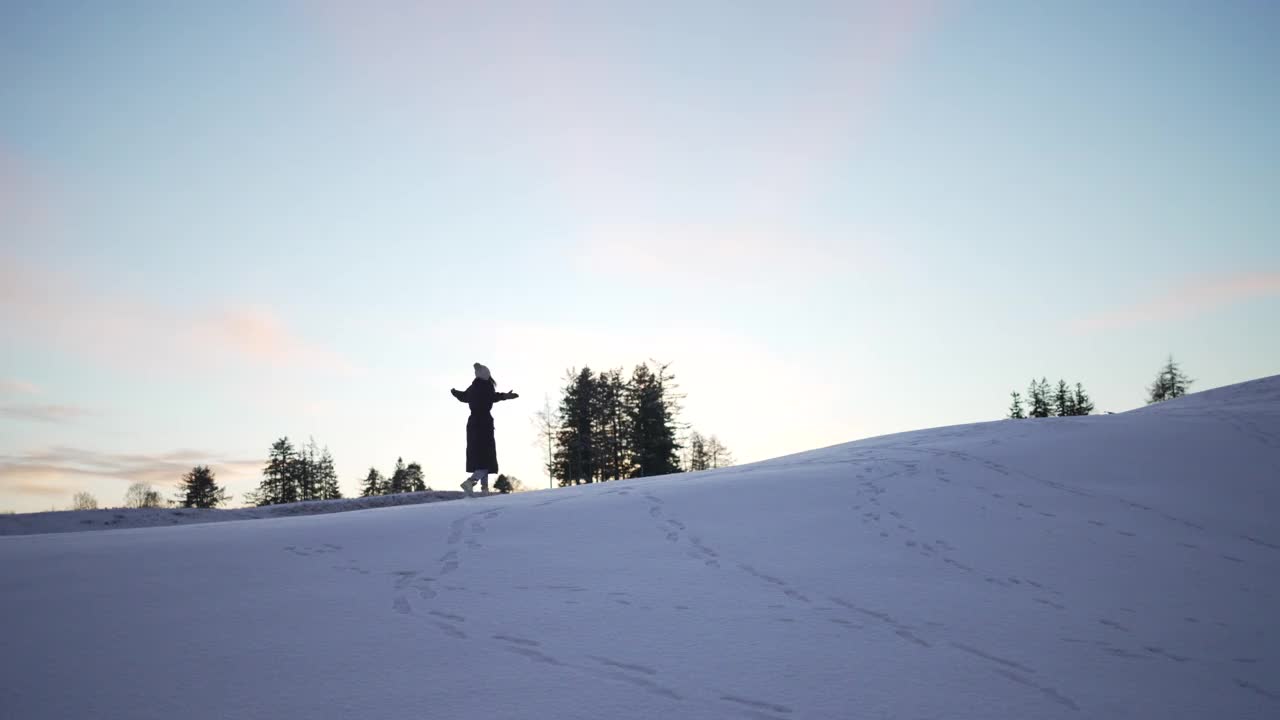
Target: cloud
x: 707, y: 177
x: 725, y: 252
x: 30, y: 412
x: 61, y: 310
x: 1187, y: 299
x: 586, y: 94
x: 38, y: 489
x: 257, y: 334
x: 18, y: 387
x: 62, y: 471
x: 44, y: 413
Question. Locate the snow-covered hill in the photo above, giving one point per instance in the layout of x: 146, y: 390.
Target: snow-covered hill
x: 59, y: 521
x: 1123, y: 566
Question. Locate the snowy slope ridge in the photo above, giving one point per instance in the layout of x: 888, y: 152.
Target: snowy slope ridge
x: 1123, y: 566
x: 120, y: 518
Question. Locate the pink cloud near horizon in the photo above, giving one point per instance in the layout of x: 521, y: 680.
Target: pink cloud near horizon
x: 1187, y: 299
x: 18, y: 387
x: 58, y: 310
x: 259, y: 334
x: 44, y: 413
x: 62, y: 471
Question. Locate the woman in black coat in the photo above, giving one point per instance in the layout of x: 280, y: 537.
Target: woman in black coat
x: 482, y: 452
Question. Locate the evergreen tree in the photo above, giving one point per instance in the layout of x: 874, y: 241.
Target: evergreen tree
x: 652, y: 422
x: 199, y: 490
x: 610, y: 425
x: 1082, y: 404
x: 413, y: 479
x: 698, y: 457
x: 1039, y: 399
x: 1015, y: 409
x: 717, y: 454
x: 502, y: 485
x: 279, y: 479
x: 1063, y: 400
x: 398, y: 482
x: 374, y: 484
x: 327, y: 477
x: 1170, y: 383
x: 305, y: 471
x: 575, y: 457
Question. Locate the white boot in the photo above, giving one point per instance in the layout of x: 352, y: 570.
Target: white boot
x: 467, y: 485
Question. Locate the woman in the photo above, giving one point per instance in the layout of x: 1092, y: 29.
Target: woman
x: 482, y: 453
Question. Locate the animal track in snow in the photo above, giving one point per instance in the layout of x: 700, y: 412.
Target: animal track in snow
x: 1245, y: 684
x: 756, y: 704
x: 517, y: 640
x: 1048, y: 692
x: 308, y: 550
x: 989, y: 656
x: 450, y: 630
x: 624, y: 666
x: 532, y: 654
x: 1165, y: 653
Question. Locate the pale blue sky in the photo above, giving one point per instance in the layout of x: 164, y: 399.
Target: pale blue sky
x: 222, y: 223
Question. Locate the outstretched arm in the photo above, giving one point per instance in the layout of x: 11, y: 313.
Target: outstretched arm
x: 462, y: 396
x: 505, y: 396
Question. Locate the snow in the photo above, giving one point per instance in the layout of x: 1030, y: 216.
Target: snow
x: 1119, y: 566
x: 120, y: 518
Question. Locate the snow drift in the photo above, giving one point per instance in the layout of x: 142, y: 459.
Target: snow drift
x: 1122, y: 566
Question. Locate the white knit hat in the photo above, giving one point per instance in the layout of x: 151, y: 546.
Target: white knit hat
x: 482, y: 372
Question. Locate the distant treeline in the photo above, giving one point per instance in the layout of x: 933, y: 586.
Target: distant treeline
x: 294, y: 475
x: 611, y: 426
x: 1045, y: 401
x: 405, y: 478
x: 1042, y: 401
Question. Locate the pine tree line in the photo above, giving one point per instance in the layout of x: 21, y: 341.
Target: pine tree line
x: 295, y: 475
x: 610, y: 426
x: 1044, y: 401
x: 404, y: 479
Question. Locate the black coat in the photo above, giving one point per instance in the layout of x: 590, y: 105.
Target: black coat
x: 482, y: 452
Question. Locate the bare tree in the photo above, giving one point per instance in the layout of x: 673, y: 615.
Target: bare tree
x: 84, y: 501
x: 699, y: 453
x: 717, y: 454
x: 547, y: 423
x: 142, y: 495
